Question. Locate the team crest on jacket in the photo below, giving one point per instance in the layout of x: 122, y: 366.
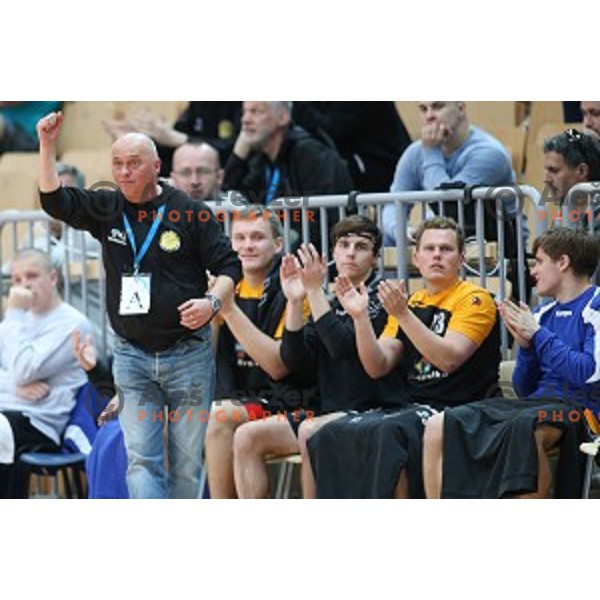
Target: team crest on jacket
x: 170, y: 241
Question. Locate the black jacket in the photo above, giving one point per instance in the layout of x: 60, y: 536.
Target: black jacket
x: 328, y: 347
x: 215, y: 122
x: 188, y: 242
x: 308, y: 168
x: 370, y: 136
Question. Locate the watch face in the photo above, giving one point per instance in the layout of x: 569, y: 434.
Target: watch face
x: 214, y: 302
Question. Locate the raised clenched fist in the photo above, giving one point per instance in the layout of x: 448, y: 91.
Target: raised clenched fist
x: 49, y: 127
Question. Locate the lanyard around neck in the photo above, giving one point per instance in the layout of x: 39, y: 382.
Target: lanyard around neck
x: 138, y: 256
x: 273, y: 177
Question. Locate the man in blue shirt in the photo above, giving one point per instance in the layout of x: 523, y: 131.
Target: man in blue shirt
x: 450, y: 150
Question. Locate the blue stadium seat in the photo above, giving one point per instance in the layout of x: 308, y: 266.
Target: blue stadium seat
x: 76, y: 445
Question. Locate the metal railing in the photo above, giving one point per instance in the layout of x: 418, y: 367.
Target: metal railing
x: 491, y: 199
x: 586, y: 196
x: 79, y: 282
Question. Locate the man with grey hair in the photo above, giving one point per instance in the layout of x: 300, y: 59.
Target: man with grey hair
x: 157, y: 245
x: 273, y: 158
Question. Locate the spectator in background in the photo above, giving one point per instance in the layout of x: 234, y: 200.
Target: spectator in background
x: 572, y: 111
x: 272, y: 158
x: 70, y: 175
x: 571, y: 158
x: 450, y: 151
x: 215, y: 122
x: 78, y: 243
x: 39, y: 376
x: 370, y: 137
x: 591, y: 117
x: 17, y: 124
x: 197, y: 171
x: 48, y: 235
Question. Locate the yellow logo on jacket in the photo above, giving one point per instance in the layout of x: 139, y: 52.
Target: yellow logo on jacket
x: 170, y: 241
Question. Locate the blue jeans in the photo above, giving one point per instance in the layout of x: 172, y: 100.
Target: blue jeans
x: 180, y: 380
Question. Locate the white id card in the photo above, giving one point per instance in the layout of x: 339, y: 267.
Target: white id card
x: 135, y: 294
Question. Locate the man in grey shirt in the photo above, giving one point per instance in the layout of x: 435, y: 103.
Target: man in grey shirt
x: 39, y: 375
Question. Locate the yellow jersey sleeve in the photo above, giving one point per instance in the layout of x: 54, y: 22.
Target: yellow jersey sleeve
x: 391, y: 328
x: 305, y: 315
x: 474, y: 315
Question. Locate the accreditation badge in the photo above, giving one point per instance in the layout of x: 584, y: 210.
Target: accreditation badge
x: 135, y: 294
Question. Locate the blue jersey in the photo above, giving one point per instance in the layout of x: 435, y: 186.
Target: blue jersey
x: 563, y: 361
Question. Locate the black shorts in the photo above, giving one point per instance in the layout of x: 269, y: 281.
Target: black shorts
x: 27, y: 437
x: 362, y: 455
x: 490, y: 449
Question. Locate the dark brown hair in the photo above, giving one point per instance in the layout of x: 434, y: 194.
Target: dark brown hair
x: 582, y: 248
x: 357, y: 225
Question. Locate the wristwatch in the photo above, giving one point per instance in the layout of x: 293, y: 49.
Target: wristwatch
x: 215, y: 303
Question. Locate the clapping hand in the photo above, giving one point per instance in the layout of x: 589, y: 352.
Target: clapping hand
x: 314, y: 268
x: 291, y: 282
x: 154, y: 126
x: 393, y: 296
x: 355, y: 302
x: 118, y: 127
x: 84, y: 350
x: 519, y: 321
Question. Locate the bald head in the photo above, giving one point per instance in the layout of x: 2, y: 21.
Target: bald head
x: 187, y: 152
x: 197, y: 171
x: 135, y: 167
x: 138, y: 141
x: 445, y: 124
